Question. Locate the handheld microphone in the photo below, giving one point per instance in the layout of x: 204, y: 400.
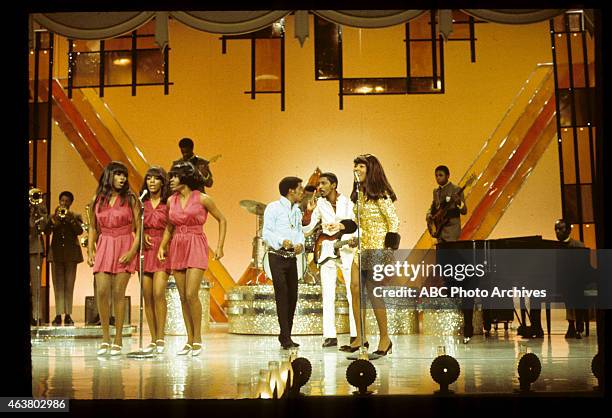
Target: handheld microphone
x: 356, y: 174
x: 143, y: 194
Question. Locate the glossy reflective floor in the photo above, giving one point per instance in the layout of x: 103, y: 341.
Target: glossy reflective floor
x: 70, y: 367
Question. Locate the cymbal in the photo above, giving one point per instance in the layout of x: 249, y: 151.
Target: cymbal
x: 256, y: 208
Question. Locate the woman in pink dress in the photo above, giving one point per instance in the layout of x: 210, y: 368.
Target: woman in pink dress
x: 155, y: 272
x: 113, y: 244
x: 188, y: 253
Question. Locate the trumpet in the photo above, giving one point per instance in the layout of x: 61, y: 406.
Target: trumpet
x: 62, y: 212
x: 35, y: 196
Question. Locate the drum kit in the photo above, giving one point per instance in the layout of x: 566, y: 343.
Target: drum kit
x: 260, y: 260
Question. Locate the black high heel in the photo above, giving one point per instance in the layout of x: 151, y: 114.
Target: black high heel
x: 351, y: 349
x: 384, y: 352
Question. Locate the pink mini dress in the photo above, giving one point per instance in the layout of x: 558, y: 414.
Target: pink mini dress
x: 116, y: 227
x: 189, y: 246
x: 155, y: 221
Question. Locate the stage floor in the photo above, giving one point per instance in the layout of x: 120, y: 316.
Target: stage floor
x: 66, y: 367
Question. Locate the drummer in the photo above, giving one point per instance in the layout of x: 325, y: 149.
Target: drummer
x: 282, y: 232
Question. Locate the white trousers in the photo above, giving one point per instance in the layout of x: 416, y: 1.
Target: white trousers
x: 329, y: 277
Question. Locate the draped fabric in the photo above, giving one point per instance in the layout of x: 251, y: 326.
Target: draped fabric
x: 93, y: 25
x: 514, y: 16
x: 229, y: 23
x: 368, y: 18
x: 104, y: 25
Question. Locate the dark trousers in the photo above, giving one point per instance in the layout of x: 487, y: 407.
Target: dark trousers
x: 486, y: 319
x: 285, y: 281
x: 536, y: 319
x: 468, y: 317
x: 64, y: 276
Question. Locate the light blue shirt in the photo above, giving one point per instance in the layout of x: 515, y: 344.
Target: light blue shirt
x: 282, y: 221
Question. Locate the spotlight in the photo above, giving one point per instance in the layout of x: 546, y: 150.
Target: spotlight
x: 597, y: 367
x: 444, y: 370
x: 529, y: 369
x: 302, y: 369
x: 361, y: 374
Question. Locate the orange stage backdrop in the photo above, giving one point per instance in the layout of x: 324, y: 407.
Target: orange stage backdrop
x: 410, y: 134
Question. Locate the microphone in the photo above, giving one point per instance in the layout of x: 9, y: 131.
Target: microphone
x: 356, y: 174
x: 143, y: 194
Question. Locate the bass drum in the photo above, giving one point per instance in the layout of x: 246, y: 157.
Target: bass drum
x: 300, y: 260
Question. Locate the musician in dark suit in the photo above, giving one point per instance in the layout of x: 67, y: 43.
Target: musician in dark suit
x: 65, y: 254
x: 575, y: 317
x: 186, y: 147
x: 452, y: 195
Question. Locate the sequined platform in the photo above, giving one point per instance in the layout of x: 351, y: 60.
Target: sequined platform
x: 252, y: 311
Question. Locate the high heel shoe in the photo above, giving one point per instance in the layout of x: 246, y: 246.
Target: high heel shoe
x: 186, y: 350
x: 103, y: 349
x: 161, y: 346
x: 351, y: 349
x: 115, y: 350
x: 149, y: 348
x: 197, y: 349
x: 384, y: 352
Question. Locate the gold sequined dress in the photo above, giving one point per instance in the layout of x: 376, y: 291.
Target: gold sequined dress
x: 377, y: 217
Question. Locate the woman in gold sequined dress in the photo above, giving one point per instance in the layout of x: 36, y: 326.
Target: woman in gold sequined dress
x: 379, y: 233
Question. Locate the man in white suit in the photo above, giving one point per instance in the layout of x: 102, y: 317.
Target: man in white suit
x: 329, y: 210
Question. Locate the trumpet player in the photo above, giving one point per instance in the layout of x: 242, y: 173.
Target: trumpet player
x: 64, y: 255
x: 38, y: 220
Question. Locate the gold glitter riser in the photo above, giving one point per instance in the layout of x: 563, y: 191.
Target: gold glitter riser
x: 175, y: 325
x: 252, y: 310
x: 399, y: 322
x: 442, y: 322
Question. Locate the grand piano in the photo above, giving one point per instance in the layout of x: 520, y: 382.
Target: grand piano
x: 529, y: 262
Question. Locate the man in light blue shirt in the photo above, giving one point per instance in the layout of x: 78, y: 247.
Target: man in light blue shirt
x: 282, y: 232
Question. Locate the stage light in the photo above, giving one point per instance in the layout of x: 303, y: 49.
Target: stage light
x: 361, y: 374
x: 302, y: 370
x: 277, y: 386
x: 286, y: 371
x: 529, y: 369
x: 263, y: 387
x: 597, y: 367
x: 444, y: 370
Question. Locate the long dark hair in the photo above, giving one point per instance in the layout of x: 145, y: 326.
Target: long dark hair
x: 188, y: 175
x: 376, y: 184
x: 105, y: 184
x: 160, y: 173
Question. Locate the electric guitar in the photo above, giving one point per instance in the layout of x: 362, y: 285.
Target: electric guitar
x: 327, y: 246
x: 438, y: 220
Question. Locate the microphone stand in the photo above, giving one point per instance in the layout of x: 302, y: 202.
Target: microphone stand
x: 39, y: 234
x: 38, y: 283
x: 140, y: 353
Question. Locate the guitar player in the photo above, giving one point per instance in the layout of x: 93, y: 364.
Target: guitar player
x: 453, y: 196
x: 450, y: 196
x: 329, y: 210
